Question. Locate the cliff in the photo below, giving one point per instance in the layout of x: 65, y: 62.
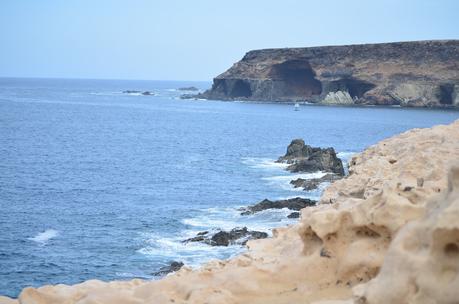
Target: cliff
x: 419, y: 73
x: 387, y: 233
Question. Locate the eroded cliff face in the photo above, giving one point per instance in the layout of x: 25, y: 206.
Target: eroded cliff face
x: 387, y: 233
x: 420, y: 73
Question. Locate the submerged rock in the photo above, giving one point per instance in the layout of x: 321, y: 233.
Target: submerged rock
x: 313, y: 183
x: 173, y: 267
x: 188, y: 89
x: 304, y: 158
x: 294, y: 215
x: 146, y: 93
x: 237, y: 236
x: 296, y: 204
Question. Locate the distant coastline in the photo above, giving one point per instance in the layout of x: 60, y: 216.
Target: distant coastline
x: 406, y: 74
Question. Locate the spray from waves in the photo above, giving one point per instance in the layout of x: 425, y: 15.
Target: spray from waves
x: 263, y: 163
x: 229, y: 218
x: 346, y: 156
x: 283, y: 181
x: 160, y: 247
x: 192, y: 254
x: 45, y: 236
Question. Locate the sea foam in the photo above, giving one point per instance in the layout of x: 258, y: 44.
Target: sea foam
x: 45, y: 236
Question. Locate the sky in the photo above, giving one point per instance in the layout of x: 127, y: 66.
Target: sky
x: 195, y: 40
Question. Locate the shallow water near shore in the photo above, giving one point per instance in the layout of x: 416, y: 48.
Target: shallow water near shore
x: 99, y: 184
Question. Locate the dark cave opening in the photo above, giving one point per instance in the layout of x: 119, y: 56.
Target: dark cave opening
x: 445, y: 94
x: 241, y: 89
x: 298, y: 77
x: 355, y: 87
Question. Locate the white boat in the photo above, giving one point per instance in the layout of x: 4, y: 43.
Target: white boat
x: 297, y: 106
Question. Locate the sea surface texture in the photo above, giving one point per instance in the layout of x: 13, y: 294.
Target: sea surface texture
x: 96, y: 183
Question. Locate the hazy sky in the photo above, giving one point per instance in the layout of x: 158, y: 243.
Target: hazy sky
x: 195, y: 40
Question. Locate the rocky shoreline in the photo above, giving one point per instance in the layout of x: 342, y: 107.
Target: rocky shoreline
x: 386, y: 233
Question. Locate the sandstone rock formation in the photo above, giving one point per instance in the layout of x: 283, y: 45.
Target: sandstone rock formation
x: 304, y: 158
x: 422, y: 262
x: 390, y: 236
x: 418, y: 73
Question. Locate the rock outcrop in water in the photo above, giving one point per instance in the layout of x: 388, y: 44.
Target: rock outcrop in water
x: 418, y: 73
x: 172, y: 267
x: 304, y: 158
x: 296, y: 203
x: 188, y: 89
x: 237, y: 236
x: 314, y: 183
x: 391, y: 235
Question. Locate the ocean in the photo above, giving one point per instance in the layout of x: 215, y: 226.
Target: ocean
x: 100, y: 184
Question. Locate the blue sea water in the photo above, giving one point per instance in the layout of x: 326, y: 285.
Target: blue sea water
x: 95, y: 183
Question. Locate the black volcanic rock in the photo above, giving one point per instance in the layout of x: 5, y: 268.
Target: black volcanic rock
x: 238, y: 236
x: 294, y: 215
x: 416, y: 73
x: 296, y: 204
x: 304, y: 158
x: 173, y: 267
x: 313, y: 183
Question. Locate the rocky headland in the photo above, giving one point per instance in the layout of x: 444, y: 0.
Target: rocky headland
x: 416, y: 74
x: 386, y: 233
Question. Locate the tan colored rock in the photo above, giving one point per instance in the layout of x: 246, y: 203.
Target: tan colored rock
x: 335, y: 246
x: 422, y: 263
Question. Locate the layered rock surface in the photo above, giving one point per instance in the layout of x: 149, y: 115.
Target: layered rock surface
x: 390, y: 236
x: 417, y: 73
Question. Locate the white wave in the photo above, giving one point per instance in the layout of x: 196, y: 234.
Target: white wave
x: 45, y: 236
x: 283, y: 181
x: 104, y: 93
x: 263, y: 163
x: 193, y: 254
x: 346, y: 156
x: 229, y: 218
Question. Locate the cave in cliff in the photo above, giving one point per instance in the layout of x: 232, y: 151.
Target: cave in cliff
x: 241, y: 89
x: 355, y: 87
x: 445, y: 94
x: 298, y: 78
